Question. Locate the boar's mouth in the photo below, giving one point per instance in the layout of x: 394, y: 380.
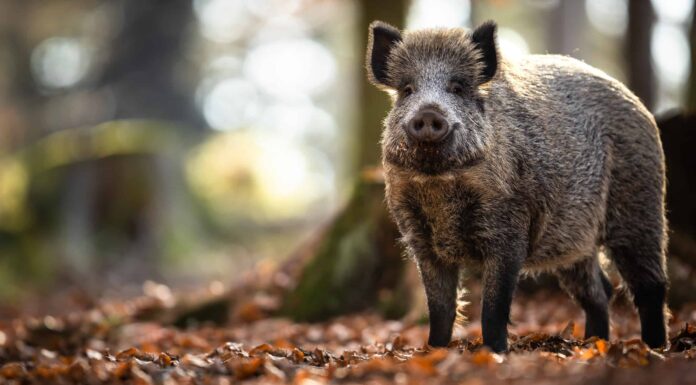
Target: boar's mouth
x: 430, y: 159
x: 435, y: 167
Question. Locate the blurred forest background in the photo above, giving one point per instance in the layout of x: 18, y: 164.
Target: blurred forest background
x: 185, y: 141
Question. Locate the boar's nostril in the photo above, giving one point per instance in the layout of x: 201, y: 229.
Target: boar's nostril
x: 428, y: 126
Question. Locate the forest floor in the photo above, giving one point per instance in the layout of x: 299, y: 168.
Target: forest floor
x: 132, y: 341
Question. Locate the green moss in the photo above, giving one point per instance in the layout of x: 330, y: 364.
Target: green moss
x: 347, y: 272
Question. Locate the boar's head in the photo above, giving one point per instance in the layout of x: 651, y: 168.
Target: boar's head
x: 438, y: 80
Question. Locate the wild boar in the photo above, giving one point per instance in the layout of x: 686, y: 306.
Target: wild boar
x: 519, y: 166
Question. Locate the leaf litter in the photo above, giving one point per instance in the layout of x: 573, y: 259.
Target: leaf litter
x: 121, y: 342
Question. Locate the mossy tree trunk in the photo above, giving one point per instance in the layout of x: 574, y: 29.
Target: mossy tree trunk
x: 358, y: 263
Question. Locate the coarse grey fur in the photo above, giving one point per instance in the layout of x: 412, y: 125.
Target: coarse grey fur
x: 546, y: 161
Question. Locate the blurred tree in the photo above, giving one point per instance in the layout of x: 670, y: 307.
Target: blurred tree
x: 143, y: 69
x: 678, y: 133
x: 128, y: 198
x: 373, y: 103
x: 358, y: 263
x: 20, y: 93
x: 568, y: 22
x: 641, y: 76
x: 691, y: 85
x: 114, y: 202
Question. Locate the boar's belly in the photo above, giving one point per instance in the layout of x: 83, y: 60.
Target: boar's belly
x: 562, y: 246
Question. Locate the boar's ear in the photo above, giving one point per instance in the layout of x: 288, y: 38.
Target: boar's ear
x: 381, y: 40
x: 484, y: 39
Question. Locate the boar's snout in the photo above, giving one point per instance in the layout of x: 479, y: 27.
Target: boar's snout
x: 428, y: 126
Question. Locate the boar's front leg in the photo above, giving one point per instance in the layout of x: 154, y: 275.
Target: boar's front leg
x: 440, y: 281
x: 500, y: 274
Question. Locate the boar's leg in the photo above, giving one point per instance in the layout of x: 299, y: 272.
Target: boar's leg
x: 636, y: 239
x: 635, y: 232
x: 646, y: 279
x: 586, y: 283
x: 499, y: 280
x: 440, y: 281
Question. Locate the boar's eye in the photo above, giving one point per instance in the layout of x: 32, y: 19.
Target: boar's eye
x: 456, y: 88
x: 407, y: 90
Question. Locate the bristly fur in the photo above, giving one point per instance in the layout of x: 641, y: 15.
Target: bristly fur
x: 547, y: 161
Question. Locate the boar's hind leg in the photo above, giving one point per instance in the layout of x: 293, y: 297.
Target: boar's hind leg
x: 645, y: 277
x: 440, y: 283
x: 590, y: 288
x: 635, y: 239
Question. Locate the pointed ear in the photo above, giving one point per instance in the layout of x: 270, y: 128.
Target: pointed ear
x: 485, y: 40
x: 381, y: 40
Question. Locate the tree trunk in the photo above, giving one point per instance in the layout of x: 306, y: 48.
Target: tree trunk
x: 691, y: 85
x: 358, y: 263
x: 641, y: 76
x: 678, y: 135
x: 141, y: 74
x: 567, y: 24
x: 19, y: 97
x: 143, y: 62
x: 374, y: 103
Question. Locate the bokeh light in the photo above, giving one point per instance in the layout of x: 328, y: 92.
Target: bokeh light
x: 438, y: 13
x: 608, y: 16
x: 675, y: 11
x: 271, y: 8
x: 290, y: 67
x: 512, y: 44
x: 231, y: 103
x: 291, y: 178
x: 670, y: 52
x: 222, y: 21
x: 300, y: 122
x: 258, y: 175
x: 281, y: 27
x: 60, y: 62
